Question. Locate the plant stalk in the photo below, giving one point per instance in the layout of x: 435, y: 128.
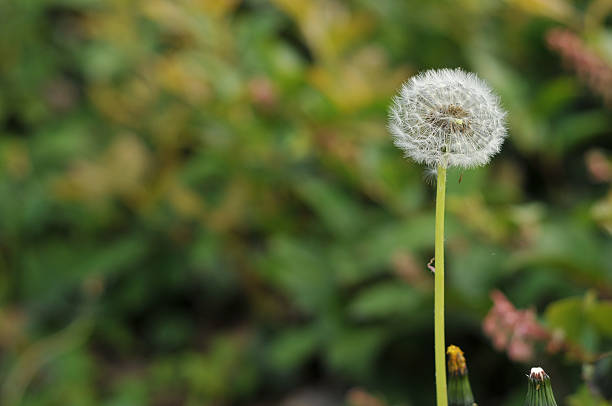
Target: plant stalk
x: 439, y: 344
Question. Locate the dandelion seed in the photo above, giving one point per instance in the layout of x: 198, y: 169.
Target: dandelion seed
x: 447, y: 118
x: 430, y: 175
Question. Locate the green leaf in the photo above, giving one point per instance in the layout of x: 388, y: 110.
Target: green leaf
x: 336, y: 210
x: 385, y: 300
x: 579, y: 320
x: 584, y: 397
x: 567, y: 315
x: 354, y: 350
x: 578, y: 127
x: 599, y: 315
x: 289, y: 350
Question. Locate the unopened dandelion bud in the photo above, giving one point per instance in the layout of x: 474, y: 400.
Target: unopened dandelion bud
x: 459, y: 390
x: 539, y: 390
x: 447, y: 117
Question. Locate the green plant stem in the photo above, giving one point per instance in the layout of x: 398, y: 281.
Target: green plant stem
x: 439, y: 345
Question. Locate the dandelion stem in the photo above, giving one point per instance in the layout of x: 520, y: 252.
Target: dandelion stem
x: 439, y: 345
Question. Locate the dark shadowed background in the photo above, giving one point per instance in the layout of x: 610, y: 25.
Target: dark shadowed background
x: 200, y: 203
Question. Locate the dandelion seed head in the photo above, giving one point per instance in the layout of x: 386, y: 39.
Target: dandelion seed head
x: 537, y: 373
x: 447, y: 117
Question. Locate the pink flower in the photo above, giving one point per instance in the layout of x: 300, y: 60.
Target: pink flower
x: 513, y: 330
x: 589, y: 66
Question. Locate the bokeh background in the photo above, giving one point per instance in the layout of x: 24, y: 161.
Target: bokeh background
x: 200, y: 203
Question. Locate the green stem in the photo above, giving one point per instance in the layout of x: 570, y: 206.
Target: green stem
x: 439, y: 345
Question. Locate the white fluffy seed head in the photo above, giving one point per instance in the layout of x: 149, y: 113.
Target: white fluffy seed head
x: 447, y: 117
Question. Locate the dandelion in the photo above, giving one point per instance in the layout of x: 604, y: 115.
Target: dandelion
x: 459, y: 389
x: 446, y: 118
x: 539, y: 390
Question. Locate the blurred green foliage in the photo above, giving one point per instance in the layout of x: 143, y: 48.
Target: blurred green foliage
x: 200, y: 204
